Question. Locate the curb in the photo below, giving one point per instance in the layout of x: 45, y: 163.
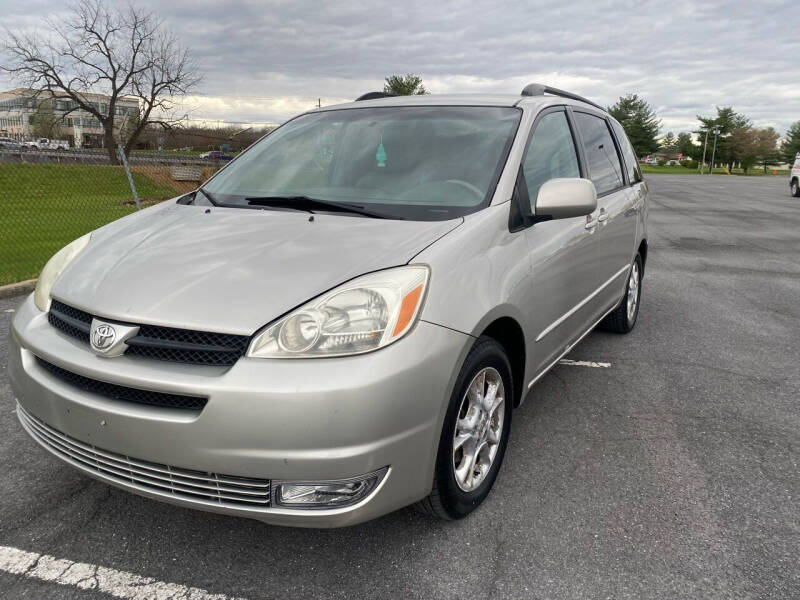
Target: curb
x: 16, y: 289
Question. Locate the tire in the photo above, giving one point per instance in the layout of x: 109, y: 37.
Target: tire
x: 623, y: 318
x: 795, y: 188
x: 449, y: 499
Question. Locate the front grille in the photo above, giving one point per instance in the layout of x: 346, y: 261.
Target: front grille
x: 69, y: 320
x: 187, y: 346
x: 209, y: 489
x: 159, y: 343
x: 124, y: 393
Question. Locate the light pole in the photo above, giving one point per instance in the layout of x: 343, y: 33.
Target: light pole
x: 705, y: 143
x: 714, y: 151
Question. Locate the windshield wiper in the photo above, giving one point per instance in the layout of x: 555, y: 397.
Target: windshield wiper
x: 308, y: 204
x: 209, y: 196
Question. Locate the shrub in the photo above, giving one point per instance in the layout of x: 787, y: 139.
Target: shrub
x: 661, y: 162
x: 690, y: 164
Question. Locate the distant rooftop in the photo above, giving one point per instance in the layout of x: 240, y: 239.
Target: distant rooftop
x: 16, y: 92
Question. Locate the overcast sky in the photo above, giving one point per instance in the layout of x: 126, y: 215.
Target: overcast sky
x: 266, y: 61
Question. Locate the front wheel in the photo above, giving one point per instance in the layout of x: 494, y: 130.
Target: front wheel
x: 474, y: 435
x: 795, y: 187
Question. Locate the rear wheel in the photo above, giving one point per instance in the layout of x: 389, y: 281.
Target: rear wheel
x: 474, y: 435
x: 623, y: 318
x: 795, y: 187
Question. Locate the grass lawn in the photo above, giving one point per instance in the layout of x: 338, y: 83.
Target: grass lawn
x: 44, y: 207
x: 679, y: 170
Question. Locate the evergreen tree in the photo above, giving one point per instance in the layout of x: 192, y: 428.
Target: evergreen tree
x: 686, y: 145
x: 669, y: 141
x: 790, y: 145
x: 640, y: 122
x: 726, y: 122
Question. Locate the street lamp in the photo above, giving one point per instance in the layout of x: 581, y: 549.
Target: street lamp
x: 703, y: 165
x: 714, y: 151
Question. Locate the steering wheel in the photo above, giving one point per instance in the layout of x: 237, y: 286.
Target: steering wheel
x: 467, y: 185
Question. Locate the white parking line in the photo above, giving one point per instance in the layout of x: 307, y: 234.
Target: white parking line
x: 584, y: 363
x: 120, y: 584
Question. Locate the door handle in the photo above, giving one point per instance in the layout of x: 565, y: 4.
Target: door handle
x: 603, y: 217
x: 590, y: 222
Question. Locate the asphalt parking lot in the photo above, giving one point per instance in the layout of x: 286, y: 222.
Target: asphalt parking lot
x: 672, y: 473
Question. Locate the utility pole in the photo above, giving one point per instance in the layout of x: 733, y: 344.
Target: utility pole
x: 705, y: 143
x: 319, y: 102
x: 714, y: 152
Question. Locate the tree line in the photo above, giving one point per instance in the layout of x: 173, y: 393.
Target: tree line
x: 738, y: 141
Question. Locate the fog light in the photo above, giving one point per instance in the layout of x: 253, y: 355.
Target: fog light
x: 326, y: 494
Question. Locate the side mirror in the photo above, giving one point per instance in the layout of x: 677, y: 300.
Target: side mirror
x: 566, y: 198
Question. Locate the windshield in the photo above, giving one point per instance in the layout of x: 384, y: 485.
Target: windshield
x: 419, y: 163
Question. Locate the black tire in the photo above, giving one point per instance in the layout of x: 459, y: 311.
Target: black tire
x: 447, y: 500
x: 795, y: 188
x: 619, y: 321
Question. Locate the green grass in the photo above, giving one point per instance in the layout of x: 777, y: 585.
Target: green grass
x: 43, y: 207
x: 679, y: 170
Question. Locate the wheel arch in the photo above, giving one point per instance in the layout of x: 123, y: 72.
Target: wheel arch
x: 643, y: 252
x: 508, y: 333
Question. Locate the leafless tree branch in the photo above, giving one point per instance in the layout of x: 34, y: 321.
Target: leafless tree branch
x: 117, y: 51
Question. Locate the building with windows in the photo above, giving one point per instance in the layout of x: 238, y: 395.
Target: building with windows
x: 20, y: 108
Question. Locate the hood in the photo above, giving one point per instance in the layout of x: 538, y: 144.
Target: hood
x: 230, y: 270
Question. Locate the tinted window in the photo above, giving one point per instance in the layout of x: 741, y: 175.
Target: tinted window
x: 601, y: 154
x: 628, y: 155
x: 551, y: 154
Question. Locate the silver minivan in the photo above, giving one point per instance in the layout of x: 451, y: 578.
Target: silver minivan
x: 343, y: 319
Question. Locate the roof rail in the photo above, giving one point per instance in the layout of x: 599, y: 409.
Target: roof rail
x: 374, y: 96
x: 539, y: 89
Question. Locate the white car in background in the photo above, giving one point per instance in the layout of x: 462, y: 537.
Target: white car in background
x: 794, y: 177
x: 47, y: 144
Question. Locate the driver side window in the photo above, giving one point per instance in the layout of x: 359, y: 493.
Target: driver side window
x: 550, y: 154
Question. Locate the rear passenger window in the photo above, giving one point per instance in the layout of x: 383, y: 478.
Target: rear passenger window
x: 605, y: 170
x: 550, y: 154
x: 628, y: 155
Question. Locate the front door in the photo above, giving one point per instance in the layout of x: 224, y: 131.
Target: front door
x: 563, y: 252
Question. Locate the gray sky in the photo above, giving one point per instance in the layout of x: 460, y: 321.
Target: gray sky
x: 266, y: 61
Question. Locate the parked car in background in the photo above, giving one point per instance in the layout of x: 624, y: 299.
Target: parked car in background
x: 216, y: 155
x: 794, y: 178
x: 12, y: 144
x: 342, y: 320
x: 7, y: 143
x: 48, y: 144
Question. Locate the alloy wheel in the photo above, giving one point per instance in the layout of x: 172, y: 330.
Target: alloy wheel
x: 633, y: 291
x: 479, y: 428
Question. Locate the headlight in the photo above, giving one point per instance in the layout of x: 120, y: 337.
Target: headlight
x: 364, y: 314
x: 54, y: 267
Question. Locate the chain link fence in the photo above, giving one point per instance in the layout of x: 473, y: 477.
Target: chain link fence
x: 49, y: 198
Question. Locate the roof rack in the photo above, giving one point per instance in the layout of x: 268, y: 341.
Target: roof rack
x: 539, y: 89
x: 374, y: 96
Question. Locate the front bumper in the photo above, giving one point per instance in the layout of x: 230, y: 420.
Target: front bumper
x: 312, y: 420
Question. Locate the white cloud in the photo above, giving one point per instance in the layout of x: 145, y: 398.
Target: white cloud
x: 266, y: 61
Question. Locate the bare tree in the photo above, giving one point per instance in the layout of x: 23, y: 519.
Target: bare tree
x: 102, y: 48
